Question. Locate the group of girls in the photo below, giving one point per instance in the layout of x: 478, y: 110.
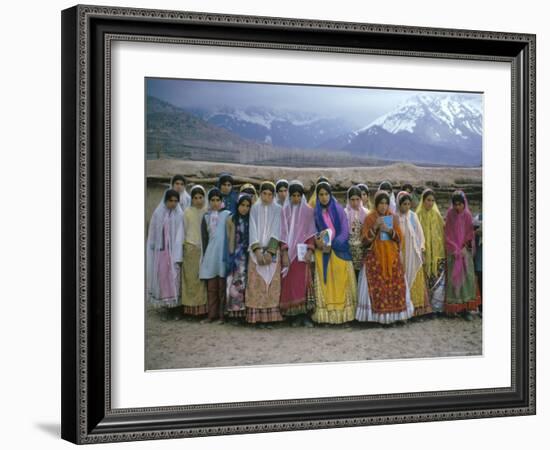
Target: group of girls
x: 270, y: 255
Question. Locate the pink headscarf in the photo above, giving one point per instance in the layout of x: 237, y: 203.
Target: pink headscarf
x: 297, y: 224
x: 459, y: 230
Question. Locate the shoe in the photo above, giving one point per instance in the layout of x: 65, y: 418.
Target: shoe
x: 468, y: 316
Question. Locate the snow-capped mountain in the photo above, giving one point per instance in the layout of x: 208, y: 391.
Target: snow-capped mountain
x: 430, y: 128
x: 289, y: 129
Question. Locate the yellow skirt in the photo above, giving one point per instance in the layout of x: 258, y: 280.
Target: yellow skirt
x: 335, y: 300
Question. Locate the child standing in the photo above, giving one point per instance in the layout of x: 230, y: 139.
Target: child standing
x: 263, y: 290
x: 213, y: 268
x: 411, y: 254
x: 460, y: 244
x: 237, y: 227
x: 356, y: 214
x: 297, y: 246
x: 193, y: 294
x: 434, y: 242
x: 164, y: 253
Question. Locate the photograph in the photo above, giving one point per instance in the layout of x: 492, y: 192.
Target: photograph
x: 299, y: 224
x: 281, y: 222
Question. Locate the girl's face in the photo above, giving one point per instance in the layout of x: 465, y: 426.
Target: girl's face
x: 282, y: 193
x: 171, y: 202
x: 365, y: 198
x: 324, y: 197
x: 215, y: 203
x: 429, y: 202
x: 405, y: 206
x: 382, y: 206
x: 296, y: 198
x: 266, y: 196
x: 355, y: 201
x: 458, y: 207
x: 244, y: 208
x: 226, y: 187
x: 198, y: 201
x: 178, y: 186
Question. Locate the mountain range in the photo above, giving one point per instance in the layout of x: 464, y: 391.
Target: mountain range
x: 425, y: 129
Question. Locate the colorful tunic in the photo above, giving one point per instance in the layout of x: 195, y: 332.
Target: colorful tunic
x: 461, y: 293
x: 164, y: 252
x: 193, y: 296
x: 434, y: 256
x: 412, y: 246
x: 263, y: 289
x: 237, y: 271
x: 213, y: 244
x: 334, y: 281
x: 383, y: 296
x: 297, y: 228
x: 355, y: 223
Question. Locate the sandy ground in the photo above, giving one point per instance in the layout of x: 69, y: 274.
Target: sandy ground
x: 188, y: 343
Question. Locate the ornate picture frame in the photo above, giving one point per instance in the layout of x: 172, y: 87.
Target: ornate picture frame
x: 87, y: 35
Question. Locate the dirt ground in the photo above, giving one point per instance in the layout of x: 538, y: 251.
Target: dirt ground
x: 187, y: 343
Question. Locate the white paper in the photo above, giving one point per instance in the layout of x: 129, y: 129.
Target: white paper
x: 302, y: 250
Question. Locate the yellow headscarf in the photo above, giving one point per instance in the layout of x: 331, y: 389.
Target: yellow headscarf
x: 433, y: 227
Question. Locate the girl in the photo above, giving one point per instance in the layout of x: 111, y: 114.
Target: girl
x: 164, y: 253
x: 412, y: 249
x: 213, y: 246
x: 365, y: 195
x: 237, y: 229
x: 383, y: 296
x: 460, y: 245
x: 263, y: 290
x: 193, y: 294
x: 297, y: 245
x: 335, y: 284
x: 356, y: 213
x: 178, y: 184
x: 313, y: 199
x: 434, y: 254
x: 387, y: 186
x: 248, y: 188
x: 281, y: 188
x: 229, y: 197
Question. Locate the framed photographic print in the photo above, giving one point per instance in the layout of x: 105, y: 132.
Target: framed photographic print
x: 282, y: 224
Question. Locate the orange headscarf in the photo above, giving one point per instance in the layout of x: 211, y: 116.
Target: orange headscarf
x: 386, y: 252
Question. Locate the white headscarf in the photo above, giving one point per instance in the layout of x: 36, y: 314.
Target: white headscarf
x: 414, y: 244
x: 173, y: 219
x: 264, y: 225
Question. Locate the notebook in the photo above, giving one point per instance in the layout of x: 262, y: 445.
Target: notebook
x: 388, y: 220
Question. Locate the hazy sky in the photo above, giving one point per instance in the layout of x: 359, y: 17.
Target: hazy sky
x: 358, y: 105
